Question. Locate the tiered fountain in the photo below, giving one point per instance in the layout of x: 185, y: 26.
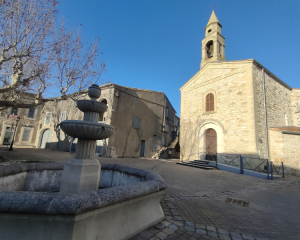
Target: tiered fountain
x: 51, y: 201
x: 82, y: 173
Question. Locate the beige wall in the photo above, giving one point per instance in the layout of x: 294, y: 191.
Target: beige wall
x: 146, y: 105
x: 25, y: 123
x: 278, y: 100
x: 295, y: 100
x: 233, y: 117
x: 285, y: 148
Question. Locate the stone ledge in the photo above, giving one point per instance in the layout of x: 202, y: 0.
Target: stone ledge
x: 73, y: 204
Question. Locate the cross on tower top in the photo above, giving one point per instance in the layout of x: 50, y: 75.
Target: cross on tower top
x: 213, y: 6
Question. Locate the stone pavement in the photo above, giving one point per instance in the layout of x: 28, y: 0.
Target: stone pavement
x: 202, y: 204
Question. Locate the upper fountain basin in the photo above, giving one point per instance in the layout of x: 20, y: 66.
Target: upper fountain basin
x: 91, y: 106
x: 86, y: 129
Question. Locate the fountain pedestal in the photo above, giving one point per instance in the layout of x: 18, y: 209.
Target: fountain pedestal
x: 82, y: 173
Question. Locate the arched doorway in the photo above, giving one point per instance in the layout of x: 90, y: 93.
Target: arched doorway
x: 46, y: 139
x: 211, y: 144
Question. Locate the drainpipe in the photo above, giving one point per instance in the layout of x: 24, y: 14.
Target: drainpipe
x: 266, y: 115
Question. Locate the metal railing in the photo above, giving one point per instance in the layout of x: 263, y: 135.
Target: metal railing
x: 229, y: 159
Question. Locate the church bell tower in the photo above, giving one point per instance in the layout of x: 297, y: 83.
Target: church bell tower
x: 213, y: 45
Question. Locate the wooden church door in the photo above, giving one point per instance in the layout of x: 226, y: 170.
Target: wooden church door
x: 211, y: 144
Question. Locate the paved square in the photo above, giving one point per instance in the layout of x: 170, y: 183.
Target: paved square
x: 195, y: 204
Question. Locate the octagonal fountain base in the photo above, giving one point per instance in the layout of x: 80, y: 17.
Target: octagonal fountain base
x: 31, y: 207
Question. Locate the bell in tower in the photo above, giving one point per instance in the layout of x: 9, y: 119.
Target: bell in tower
x: 213, y: 45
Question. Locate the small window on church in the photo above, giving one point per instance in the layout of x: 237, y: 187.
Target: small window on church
x: 209, y: 102
x: 209, y: 30
x: 210, y: 49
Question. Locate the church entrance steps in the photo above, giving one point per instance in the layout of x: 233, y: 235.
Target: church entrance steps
x: 197, y: 164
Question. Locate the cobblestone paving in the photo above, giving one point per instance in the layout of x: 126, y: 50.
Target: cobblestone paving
x: 211, y: 217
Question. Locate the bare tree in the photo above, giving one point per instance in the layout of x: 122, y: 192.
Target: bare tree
x: 26, y: 27
x: 75, y: 67
x: 36, y: 56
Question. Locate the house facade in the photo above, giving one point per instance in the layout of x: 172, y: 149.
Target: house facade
x: 237, y: 107
x: 144, y: 122
x: 28, y: 125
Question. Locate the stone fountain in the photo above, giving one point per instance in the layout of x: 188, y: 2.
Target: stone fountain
x: 82, y: 173
x: 82, y: 199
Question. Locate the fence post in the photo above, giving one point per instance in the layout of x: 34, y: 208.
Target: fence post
x: 271, y: 170
x: 282, y: 169
x: 241, y: 165
x: 268, y: 168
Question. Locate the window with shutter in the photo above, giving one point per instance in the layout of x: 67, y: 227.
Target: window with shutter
x: 136, y: 123
x: 209, y: 102
x: 48, y: 118
x: 63, y: 116
x: 31, y: 112
x: 14, y: 111
x: 26, y: 135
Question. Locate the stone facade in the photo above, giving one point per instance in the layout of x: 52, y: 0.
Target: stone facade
x: 284, y: 147
x: 238, y: 115
x: 141, y: 117
x: 26, y: 131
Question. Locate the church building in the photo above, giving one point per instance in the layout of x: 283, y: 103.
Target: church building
x: 238, y: 107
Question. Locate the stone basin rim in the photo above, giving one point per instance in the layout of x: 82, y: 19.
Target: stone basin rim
x: 73, y: 204
x: 87, y: 123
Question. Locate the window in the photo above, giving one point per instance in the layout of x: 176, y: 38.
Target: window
x: 209, y: 102
x: 167, y: 112
x: 63, y: 116
x: 31, y: 112
x: 14, y: 111
x: 48, y: 118
x: 209, y: 30
x: 26, y: 135
x: 136, y: 123
x: 210, y: 49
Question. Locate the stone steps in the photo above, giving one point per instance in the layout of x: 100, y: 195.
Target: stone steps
x: 197, y: 164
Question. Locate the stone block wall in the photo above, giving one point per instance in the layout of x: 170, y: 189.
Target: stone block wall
x: 231, y: 84
x: 285, y: 148
x: 278, y: 101
x: 295, y: 103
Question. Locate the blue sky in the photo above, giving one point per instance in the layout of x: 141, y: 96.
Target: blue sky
x: 156, y: 44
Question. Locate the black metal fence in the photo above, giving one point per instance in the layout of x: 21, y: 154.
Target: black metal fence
x: 249, y: 163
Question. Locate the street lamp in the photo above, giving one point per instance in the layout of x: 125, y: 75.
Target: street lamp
x: 12, y: 142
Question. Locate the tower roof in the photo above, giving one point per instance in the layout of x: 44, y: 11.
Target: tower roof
x: 213, y: 18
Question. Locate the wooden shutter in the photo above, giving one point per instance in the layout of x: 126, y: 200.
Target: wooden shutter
x: 209, y: 102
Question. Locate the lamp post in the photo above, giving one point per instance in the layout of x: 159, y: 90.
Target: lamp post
x: 12, y: 142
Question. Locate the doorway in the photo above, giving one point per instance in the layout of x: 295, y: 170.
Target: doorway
x: 211, y: 144
x: 46, y: 139
x: 143, y: 148
x: 7, y: 136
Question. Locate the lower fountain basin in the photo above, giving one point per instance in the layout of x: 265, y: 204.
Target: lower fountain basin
x: 127, y: 203
x: 86, y: 129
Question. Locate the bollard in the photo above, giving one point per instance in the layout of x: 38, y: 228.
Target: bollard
x: 268, y: 169
x: 241, y: 165
x: 271, y: 170
x: 282, y: 169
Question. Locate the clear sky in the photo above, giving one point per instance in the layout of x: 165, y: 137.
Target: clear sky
x: 156, y: 44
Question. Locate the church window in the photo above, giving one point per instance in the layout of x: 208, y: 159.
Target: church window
x: 209, y: 30
x: 209, y: 102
